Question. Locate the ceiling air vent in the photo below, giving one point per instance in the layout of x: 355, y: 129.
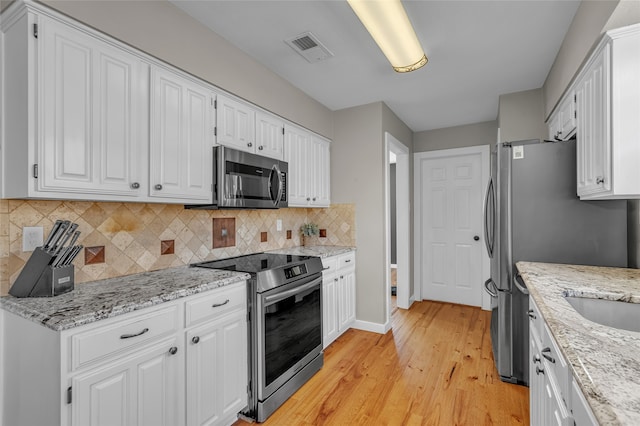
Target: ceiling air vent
x: 309, y: 47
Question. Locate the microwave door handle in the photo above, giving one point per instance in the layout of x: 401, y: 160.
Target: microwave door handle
x: 278, y: 196
x: 279, y: 184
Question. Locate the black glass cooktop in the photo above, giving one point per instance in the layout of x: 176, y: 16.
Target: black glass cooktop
x: 253, y: 263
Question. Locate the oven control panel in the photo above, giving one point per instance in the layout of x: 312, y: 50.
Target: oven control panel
x: 295, y: 271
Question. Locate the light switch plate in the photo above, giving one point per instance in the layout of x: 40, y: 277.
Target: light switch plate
x: 279, y: 225
x: 32, y: 237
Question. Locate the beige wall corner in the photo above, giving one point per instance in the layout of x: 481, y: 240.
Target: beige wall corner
x: 164, y: 31
x: 520, y: 116
x: 357, y: 177
x: 585, y: 29
x: 484, y: 133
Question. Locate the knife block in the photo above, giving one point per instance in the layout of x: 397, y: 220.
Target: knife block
x: 39, y: 279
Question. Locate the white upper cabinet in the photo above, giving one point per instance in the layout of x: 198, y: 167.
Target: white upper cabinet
x: 309, y: 178
x: 84, y: 116
x: 562, y: 124
x: 246, y: 128
x: 269, y: 135
x: 235, y: 124
x: 608, y: 106
x: 182, y: 137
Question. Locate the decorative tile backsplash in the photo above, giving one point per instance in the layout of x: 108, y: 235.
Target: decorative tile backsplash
x: 133, y: 233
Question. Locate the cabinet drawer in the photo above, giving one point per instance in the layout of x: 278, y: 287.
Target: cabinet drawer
x: 330, y: 264
x: 135, y: 330
x: 347, y: 260
x: 536, y: 323
x: 557, y: 363
x: 216, y: 303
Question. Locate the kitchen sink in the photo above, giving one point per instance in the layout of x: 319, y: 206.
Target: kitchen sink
x: 612, y: 313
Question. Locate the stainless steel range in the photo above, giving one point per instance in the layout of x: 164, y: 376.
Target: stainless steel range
x: 285, y: 325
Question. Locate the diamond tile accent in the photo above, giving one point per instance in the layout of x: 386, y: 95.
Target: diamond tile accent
x: 132, y: 233
x: 167, y: 247
x: 93, y: 255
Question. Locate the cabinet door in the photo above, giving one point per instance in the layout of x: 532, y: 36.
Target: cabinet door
x: 91, y: 110
x: 143, y: 389
x: 235, y: 124
x: 217, y: 370
x: 320, y: 179
x: 350, y: 284
x: 329, y: 309
x: 536, y: 381
x: 346, y: 295
x: 593, y: 143
x: 181, y: 138
x: 269, y: 136
x: 296, y: 152
x: 567, y: 123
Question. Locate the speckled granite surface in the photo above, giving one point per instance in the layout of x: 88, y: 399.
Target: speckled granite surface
x: 108, y: 298
x: 319, y: 251
x: 605, y: 361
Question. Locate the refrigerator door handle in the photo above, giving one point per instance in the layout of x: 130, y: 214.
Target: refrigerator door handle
x: 493, y: 292
x: 521, y: 287
x: 489, y: 237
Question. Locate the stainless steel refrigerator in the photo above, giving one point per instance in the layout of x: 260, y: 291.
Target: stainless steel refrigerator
x: 532, y: 213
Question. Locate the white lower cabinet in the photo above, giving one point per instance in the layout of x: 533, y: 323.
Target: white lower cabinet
x: 217, y: 370
x: 141, y: 389
x: 180, y: 362
x: 554, y: 397
x: 338, y: 296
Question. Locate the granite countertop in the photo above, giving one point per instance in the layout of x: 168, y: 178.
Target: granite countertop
x: 96, y: 300
x: 319, y: 251
x: 605, y: 361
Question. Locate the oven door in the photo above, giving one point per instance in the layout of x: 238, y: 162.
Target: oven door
x: 289, y: 331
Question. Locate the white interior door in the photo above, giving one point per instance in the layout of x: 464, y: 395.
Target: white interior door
x: 449, y: 191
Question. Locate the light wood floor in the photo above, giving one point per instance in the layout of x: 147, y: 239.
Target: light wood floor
x: 434, y: 368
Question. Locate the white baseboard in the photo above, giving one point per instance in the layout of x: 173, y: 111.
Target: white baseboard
x: 372, y: 326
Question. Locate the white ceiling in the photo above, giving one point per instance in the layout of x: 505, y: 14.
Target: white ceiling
x: 477, y: 51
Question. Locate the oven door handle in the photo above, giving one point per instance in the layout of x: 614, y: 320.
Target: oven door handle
x: 274, y: 298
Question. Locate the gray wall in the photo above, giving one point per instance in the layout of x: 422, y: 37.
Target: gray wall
x: 357, y: 176
x: 164, y: 31
x: 520, y: 116
x: 484, y: 133
x: 591, y: 20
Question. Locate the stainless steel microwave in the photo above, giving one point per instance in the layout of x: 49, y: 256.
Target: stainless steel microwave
x: 242, y: 180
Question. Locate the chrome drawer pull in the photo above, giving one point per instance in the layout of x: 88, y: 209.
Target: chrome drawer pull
x: 548, y: 357
x: 215, y: 305
x: 539, y: 370
x: 531, y: 314
x: 129, y: 336
x: 347, y: 261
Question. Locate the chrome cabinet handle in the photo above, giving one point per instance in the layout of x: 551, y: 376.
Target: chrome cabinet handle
x: 347, y: 261
x: 195, y: 340
x: 308, y: 199
x: 216, y: 305
x: 249, y: 144
x: 539, y: 370
x: 531, y: 314
x: 314, y: 198
x: 158, y: 187
x: 599, y: 180
x: 536, y: 358
x: 135, y: 185
x: 173, y: 350
x: 260, y: 147
x: 549, y: 358
x: 129, y: 336
x: 476, y: 238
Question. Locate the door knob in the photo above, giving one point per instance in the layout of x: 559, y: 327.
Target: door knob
x: 476, y: 238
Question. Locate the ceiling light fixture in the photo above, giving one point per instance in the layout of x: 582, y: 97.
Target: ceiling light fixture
x: 389, y: 25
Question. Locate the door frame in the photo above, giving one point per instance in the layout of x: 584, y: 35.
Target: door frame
x: 483, y: 151
x: 403, y: 216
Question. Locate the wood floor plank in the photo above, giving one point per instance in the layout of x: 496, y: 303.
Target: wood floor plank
x: 435, y: 367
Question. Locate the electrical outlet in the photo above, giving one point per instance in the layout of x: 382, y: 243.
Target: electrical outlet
x: 279, y: 225
x: 32, y: 237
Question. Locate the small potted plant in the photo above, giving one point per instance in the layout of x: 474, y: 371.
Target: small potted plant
x: 308, y: 232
